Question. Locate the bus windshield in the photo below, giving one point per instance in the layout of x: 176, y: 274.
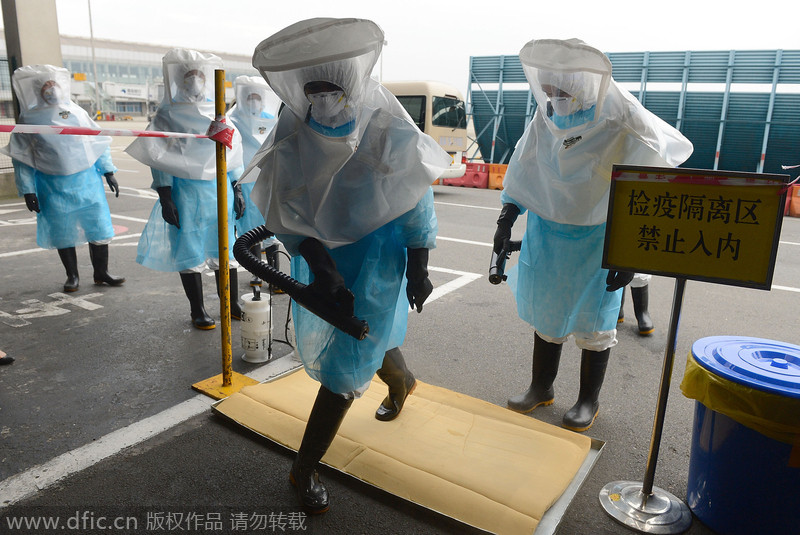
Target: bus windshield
x: 449, y: 112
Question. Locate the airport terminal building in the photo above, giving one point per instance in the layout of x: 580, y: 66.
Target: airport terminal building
x: 130, y: 79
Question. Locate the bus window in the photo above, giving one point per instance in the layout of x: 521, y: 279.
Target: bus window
x: 438, y: 110
x: 449, y: 112
x: 415, y: 106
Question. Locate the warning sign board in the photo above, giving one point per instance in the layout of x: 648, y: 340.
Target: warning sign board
x: 714, y: 226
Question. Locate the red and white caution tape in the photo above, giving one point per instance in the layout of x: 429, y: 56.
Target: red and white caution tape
x: 221, y: 132
x: 86, y: 131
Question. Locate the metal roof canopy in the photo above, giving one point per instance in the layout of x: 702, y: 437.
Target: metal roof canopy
x: 756, y: 130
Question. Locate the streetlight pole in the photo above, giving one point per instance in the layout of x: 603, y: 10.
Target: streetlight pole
x: 94, y: 62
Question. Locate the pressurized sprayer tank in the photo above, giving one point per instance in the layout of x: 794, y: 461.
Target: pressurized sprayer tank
x: 256, y: 330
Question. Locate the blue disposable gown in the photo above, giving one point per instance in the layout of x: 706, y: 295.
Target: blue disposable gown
x: 559, y: 284
x: 74, y: 208
x: 165, y: 247
x: 373, y: 269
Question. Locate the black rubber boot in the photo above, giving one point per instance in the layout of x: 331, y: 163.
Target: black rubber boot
x: 193, y: 286
x: 401, y: 383
x: 593, y: 370
x: 236, y: 306
x: 323, y: 423
x: 256, y: 250
x: 546, y: 357
x: 99, y: 256
x: 641, y: 299
x: 69, y: 257
x: 621, y: 317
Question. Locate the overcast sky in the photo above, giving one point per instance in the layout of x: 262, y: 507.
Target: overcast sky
x: 433, y: 39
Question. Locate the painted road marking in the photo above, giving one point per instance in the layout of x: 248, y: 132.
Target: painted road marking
x: 40, y: 250
x: 463, y: 279
x: 495, y: 208
x: 33, y: 308
x: 468, y: 242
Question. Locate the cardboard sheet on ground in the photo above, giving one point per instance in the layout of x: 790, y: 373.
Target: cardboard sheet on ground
x: 468, y: 459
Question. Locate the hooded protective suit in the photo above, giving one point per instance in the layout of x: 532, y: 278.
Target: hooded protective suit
x: 561, y: 171
x: 350, y: 169
x: 187, y: 165
x: 65, y: 172
x: 254, y: 116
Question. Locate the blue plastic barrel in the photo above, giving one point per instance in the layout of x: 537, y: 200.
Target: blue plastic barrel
x: 741, y: 481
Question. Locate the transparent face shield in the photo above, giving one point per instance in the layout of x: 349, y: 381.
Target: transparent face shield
x: 567, y: 99
x: 190, y: 82
x: 334, y: 90
x: 251, y: 98
x: 42, y: 89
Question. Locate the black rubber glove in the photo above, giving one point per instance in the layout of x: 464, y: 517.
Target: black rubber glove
x: 112, y: 183
x: 32, y: 202
x: 618, y: 279
x: 508, y: 215
x: 419, y: 286
x: 328, y: 283
x: 168, y: 209
x: 238, y: 201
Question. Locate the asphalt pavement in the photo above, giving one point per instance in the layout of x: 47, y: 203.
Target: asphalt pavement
x: 98, y: 417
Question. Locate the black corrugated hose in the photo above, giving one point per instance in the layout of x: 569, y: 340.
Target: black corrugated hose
x: 297, y: 290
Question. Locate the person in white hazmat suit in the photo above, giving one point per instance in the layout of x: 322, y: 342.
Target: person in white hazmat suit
x: 181, y: 233
x: 254, y: 116
x: 61, y: 176
x: 560, y: 174
x: 345, y: 183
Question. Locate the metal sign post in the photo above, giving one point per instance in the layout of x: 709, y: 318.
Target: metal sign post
x: 688, y: 224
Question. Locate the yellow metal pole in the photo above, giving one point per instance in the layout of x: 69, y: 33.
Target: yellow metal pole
x: 224, y: 246
x: 221, y: 386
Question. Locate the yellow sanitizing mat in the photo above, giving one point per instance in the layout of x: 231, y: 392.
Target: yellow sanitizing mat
x: 468, y: 459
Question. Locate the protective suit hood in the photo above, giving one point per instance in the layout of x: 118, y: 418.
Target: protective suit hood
x: 561, y: 167
x: 340, y: 51
x: 306, y: 179
x: 188, y: 107
x: 254, y: 113
x: 567, y: 70
x: 43, y: 93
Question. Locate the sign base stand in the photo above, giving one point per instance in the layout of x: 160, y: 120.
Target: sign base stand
x: 659, y: 512
x: 215, y: 387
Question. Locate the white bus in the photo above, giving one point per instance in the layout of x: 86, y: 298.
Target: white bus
x: 438, y: 109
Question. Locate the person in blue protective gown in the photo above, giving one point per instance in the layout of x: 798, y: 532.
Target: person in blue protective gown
x: 181, y: 233
x: 344, y: 180
x: 254, y: 116
x: 560, y: 175
x: 61, y: 176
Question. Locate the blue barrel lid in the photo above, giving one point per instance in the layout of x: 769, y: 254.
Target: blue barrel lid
x: 765, y: 365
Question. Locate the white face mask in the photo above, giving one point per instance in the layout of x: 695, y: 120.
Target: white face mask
x: 52, y: 95
x: 193, y: 85
x: 330, y: 108
x: 254, y: 106
x: 565, y: 106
